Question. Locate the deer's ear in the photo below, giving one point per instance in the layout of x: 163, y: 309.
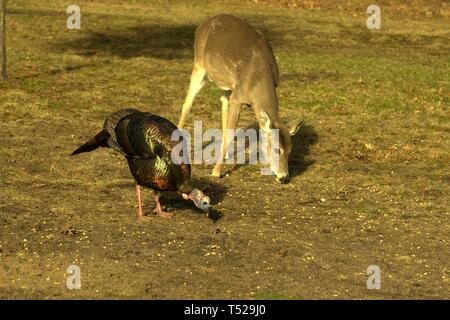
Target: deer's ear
x: 294, y: 126
x: 264, y: 121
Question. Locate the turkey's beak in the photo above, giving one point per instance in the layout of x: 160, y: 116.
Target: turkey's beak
x: 206, y: 210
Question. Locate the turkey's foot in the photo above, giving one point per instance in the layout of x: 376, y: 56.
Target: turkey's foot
x: 143, y: 218
x: 158, y: 209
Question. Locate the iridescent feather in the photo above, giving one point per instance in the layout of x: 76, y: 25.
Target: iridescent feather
x: 145, y: 141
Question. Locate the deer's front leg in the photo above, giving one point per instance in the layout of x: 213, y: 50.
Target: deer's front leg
x: 230, y: 115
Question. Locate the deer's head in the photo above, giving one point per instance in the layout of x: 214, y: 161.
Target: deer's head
x: 278, y: 153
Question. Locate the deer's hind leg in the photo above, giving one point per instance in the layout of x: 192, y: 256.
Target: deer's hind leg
x: 195, y: 85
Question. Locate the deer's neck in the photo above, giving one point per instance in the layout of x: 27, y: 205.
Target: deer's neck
x: 264, y: 98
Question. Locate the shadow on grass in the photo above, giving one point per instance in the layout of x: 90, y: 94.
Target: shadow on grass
x: 301, y: 148
x: 161, y: 42
x: 157, y: 40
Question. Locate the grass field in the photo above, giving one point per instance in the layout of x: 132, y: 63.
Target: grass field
x: 370, y: 167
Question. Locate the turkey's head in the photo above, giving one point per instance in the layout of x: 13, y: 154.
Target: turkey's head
x: 201, y: 200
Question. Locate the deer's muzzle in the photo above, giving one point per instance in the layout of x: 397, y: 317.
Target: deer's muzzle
x: 284, y: 179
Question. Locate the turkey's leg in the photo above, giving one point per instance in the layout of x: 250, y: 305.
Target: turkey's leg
x: 158, y: 210
x: 140, y: 215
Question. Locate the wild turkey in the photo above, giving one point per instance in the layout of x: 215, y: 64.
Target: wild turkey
x: 145, y: 141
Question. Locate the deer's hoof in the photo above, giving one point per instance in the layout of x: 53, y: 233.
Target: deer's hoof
x: 216, y: 173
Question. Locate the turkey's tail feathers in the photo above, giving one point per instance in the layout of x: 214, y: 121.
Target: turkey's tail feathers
x: 100, y: 140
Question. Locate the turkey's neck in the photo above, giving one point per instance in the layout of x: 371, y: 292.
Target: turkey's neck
x: 185, y: 188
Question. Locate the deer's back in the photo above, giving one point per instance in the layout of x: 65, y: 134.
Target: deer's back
x: 234, y: 53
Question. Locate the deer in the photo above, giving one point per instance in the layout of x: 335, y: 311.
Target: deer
x: 239, y: 60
